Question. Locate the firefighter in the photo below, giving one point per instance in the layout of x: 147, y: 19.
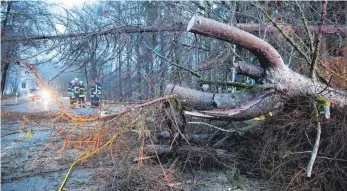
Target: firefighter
x: 82, y: 95
x: 76, y: 92
x: 95, y: 93
x: 70, y: 91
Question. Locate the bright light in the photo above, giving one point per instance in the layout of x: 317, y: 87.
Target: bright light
x: 45, y: 94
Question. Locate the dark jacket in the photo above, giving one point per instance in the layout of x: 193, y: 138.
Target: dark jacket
x: 76, y: 90
x: 96, y: 90
x: 82, y: 92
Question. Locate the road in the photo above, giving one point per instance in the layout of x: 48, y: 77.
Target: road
x: 36, y: 162
x: 34, y: 156
x: 24, y: 105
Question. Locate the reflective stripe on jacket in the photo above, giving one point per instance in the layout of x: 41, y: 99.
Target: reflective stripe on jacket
x: 82, y: 92
x: 96, y: 90
x: 76, y: 90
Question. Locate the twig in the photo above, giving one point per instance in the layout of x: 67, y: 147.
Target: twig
x: 328, y: 85
x: 318, y: 40
x: 114, y: 137
x: 295, y: 153
x: 332, y: 23
x: 304, y: 20
x: 291, y: 181
x: 290, y: 40
x: 316, y: 144
x: 343, y: 160
x: 202, y: 123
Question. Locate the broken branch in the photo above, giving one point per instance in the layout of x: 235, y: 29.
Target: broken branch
x: 266, y: 54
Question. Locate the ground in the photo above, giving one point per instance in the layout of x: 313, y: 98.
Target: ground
x: 33, y: 155
x: 25, y: 165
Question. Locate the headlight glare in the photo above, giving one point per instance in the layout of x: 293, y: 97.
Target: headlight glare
x: 45, y: 94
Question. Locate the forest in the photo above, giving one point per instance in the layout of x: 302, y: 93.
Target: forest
x: 196, y: 95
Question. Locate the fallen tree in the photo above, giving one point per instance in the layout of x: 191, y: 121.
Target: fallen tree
x: 298, y: 100
x: 279, y: 86
x: 279, y: 83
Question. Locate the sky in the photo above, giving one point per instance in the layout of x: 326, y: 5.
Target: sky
x: 46, y: 70
x: 69, y: 3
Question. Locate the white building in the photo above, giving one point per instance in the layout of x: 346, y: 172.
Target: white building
x: 20, y: 82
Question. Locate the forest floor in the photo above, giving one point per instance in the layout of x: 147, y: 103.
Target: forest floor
x: 33, y: 156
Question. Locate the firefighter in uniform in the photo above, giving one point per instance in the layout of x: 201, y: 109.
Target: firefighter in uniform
x: 76, y: 92
x: 70, y: 91
x: 82, y: 95
x: 96, y: 93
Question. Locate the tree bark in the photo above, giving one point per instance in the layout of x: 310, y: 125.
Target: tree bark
x: 120, y: 75
x: 4, y: 75
x: 4, y: 24
x: 250, y: 70
x: 138, y: 67
x: 267, y: 55
x: 5, y: 63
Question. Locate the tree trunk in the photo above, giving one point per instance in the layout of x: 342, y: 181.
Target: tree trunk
x: 94, y: 71
x: 5, y: 63
x: 128, y: 81
x: 4, y: 23
x: 280, y: 83
x: 138, y: 67
x: 4, y: 75
x: 120, y: 78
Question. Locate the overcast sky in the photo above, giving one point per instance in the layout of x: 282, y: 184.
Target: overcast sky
x: 69, y: 3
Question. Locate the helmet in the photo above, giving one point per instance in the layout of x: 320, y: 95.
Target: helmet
x: 205, y: 87
x: 72, y: 82
x: 76, y: 79
x: 81, y: 82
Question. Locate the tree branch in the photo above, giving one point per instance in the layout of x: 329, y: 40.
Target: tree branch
x: 290, y: 40
x: 113, y: 30
x: 250, y: 70
x: 229, y: 106
x: 307, y: 30
x: 266, y: 54
x: 316, y: 144
x: 318, y: 40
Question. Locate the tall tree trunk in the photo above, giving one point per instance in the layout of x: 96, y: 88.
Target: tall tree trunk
x: 176, y: 75
x: 6, y: 65
x: 152, y: 67
x: 162, y: 65
x: 138, y: 66
x: 87, y: 80
x: 128, y: 82
x: 4, y: 24
x: 120, y: 78
x: 94, y: 71
x: 6, y: 48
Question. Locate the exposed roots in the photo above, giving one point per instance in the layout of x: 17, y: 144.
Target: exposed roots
x: 286, y: 144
